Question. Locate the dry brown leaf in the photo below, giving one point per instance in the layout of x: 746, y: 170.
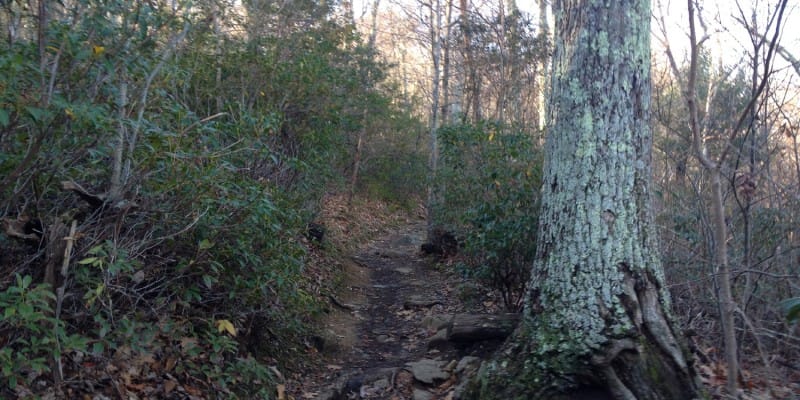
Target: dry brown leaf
x: 169, y: 386
x: 281, y: 392
x: 192, y: 390
x: 126, y: 378
x: 447, y: 384
x: 188, y: 343
x: 135, y: 386
x: 169, y: 364
x: 122, y: 353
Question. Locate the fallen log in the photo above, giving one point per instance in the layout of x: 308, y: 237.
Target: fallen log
x: 481, y: 327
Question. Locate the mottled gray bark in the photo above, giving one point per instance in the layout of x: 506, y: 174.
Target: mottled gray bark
x: 596, y: 311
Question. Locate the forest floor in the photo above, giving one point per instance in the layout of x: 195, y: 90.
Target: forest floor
x: 377, y: 339
x: 386, y: 335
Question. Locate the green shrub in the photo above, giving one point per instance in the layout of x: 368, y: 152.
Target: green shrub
x: 30, y: 334
x: 489, y: 189
x: 228, y: 143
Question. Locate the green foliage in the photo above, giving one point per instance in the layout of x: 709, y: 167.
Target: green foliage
x: 230, y: 143
x: 393, y: 168
x: 29, y: 333
x: 489, y: 188
x: 240, y: 376
x: 791, y: 308
x: 395, y: 176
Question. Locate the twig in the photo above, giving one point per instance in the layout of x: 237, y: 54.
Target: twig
x: 202, y: 121
x: 59, y: 373
x: 339, y: 304
x: 171, y: 46
x: 186, y: 228
x: 761, y: 352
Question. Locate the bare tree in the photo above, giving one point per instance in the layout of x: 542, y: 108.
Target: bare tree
x: 718, y: 166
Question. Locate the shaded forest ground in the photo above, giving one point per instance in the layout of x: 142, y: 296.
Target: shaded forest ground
x: 383, y: 321
x: 377, y: 339
x: 379, y: 335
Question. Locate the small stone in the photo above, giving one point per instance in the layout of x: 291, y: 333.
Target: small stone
x: 420, y: 394
x: 461, y: 387
x: 416, y: 301
x: 439, y: 340
x: 467, y: 363
x: 382, y: 383
x: 427, y: 370
x: 382, y: 286
x: 404, y: 270
x: 383, y: 338
x: 437, y: 322
x: 353, y: 385
x: 374, y: 388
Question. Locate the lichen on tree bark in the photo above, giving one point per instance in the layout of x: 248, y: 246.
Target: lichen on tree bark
x: 596, y: 311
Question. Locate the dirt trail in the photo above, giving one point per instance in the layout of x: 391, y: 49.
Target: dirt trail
x: 377, y: 342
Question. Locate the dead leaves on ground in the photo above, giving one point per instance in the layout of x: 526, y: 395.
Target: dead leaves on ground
x: 169, y: 370
x: 752, y: 386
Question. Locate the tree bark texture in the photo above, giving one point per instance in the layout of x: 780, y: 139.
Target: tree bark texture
x: 596, y: 311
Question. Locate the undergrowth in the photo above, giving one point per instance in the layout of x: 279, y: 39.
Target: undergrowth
x: 156, y: 196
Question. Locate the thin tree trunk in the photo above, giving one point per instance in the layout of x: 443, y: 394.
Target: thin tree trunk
x: 445, y: 114
x: 373, y: 32
x: 714, y: 167
x: 722, y: 271
x: 544, y: 68
x: 115, y: 191
x: 14, y: 16
x: 474, y: 86
x: 42, y: 38
x: 502, y: 93
x: 750, y: 178
x: 218, y: 54
x: 514, y: 79
x: 127, y: 164
x: 349, y: 12
x: 363, y: 130
x: 356, y: 163
x: 433, y: 161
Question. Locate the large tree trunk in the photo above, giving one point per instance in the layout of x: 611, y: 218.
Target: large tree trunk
x: 596, y: 310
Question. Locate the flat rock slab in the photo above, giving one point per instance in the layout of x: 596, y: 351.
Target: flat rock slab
x: 439, y: 340
x: 479, y: 327
x: 427, y: 370
x: 437, y: 321
x: 416, y: 301
x: 404, y: 270
x: 420, y: 394
x: 467, y: 363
